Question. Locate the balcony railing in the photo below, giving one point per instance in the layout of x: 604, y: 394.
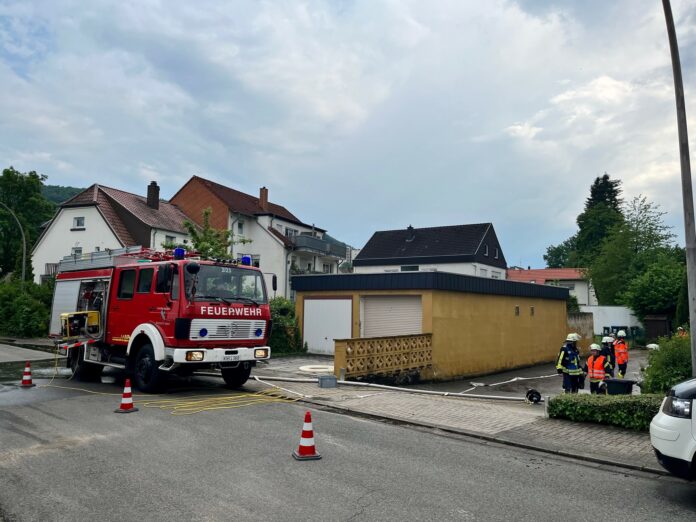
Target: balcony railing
x: 319, y: 246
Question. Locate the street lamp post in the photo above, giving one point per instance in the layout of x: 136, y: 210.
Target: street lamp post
x: 687, y: 191
x: 24, y: 240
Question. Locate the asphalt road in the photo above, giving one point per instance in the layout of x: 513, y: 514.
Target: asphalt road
x: 65, y: 456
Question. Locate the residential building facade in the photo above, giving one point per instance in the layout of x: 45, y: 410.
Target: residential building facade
x: 571, y: 278
x: 100, y: 218
x: 460, y: 249
x: 277, y: 241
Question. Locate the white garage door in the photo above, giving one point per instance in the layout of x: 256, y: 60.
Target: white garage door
x: 381, y: 316
x: 324, y: 321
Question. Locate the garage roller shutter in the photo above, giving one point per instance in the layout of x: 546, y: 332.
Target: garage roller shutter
x: 392, y: 315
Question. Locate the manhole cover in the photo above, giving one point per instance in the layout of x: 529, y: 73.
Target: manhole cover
x: 317, y: 368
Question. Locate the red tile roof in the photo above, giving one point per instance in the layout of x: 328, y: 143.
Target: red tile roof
x: 167, y: 217
x: 541, y: 275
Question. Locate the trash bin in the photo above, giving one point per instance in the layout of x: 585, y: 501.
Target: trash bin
x: 619, y: 386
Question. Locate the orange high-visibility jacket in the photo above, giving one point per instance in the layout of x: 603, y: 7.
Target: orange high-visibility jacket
x: 621, y: 348
x: 596, y: 368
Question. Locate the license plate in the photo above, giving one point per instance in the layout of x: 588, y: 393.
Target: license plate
x: 230, y: 357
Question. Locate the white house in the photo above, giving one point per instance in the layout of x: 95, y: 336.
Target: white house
x: 461, y: 249
x: 571, y: 278
x: 100, y: 218
x: 280, y: 243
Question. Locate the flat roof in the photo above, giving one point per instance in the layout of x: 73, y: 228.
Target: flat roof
x: 425, y: 281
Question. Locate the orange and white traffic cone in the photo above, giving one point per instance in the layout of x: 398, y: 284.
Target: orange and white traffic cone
x: 306, y: 450
x: 127, y: 400
x: 26, y: 377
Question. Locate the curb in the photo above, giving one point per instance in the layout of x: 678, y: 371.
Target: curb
x: 489, y: 438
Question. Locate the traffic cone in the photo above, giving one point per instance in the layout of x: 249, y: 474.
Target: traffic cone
x: 306, y: 450
x: 126, y: 400
x: 26, y: 377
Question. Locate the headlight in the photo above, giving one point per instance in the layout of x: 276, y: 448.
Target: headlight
x: 677, y: 407
x: 194, y: 356
x: 261, y: 353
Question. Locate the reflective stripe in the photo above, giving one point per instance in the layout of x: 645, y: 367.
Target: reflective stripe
x: 307, y: 426
x: 307, y: 442
x: 126, y: 400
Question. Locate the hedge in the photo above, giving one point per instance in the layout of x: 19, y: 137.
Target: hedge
x: 626, y: 411
x: 669, y: 365
x: 285, y: 336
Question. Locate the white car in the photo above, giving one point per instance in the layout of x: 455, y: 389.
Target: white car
x: 673, y: 431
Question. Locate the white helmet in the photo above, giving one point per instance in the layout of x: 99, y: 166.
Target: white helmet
x: 621, y: 333
x: 607, y: 339
x: 573, y: 337
x: 595, y: 346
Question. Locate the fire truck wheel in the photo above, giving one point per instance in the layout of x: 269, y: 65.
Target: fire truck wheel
x: 236, y: 377
x: 82, y: 370
x: 146, y: 374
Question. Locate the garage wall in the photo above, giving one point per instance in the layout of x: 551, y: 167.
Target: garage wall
x: 476, y: 334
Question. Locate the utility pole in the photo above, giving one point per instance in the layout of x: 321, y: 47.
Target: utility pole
x: 687, y: 190
x: 24, y: 240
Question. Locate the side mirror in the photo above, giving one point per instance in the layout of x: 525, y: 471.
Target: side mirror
x: 274, y: 282
x: 193, y: 268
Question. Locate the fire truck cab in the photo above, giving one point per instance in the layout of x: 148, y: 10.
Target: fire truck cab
x: 153, y: 314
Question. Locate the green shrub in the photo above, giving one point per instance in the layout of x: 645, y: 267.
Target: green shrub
x: 25, y: 312
x: 667, y: 366
x: 626, y: 411
x: 285, y: 337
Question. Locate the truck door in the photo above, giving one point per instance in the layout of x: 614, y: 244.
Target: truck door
x: 163, y: 307
x: 122, y: 313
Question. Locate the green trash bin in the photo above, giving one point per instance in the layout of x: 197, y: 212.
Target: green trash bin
x: 619, y: 386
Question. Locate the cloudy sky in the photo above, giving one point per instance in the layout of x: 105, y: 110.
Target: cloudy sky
x: 357, y: 115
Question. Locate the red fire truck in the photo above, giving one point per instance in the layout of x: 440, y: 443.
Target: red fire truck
x: 153, y: 314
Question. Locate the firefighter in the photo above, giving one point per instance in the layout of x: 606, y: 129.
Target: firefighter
x: 621, y: 351
x: 608, y: 353
x: 596, y: 368
x: 681, y: 332
x: 568, y: 364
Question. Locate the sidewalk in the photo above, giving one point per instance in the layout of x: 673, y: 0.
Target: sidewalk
x: 517, y: 424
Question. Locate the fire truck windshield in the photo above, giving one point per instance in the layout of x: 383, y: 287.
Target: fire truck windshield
x: 225, y: 284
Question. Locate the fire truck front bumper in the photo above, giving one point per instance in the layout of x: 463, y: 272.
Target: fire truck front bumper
x: 217, y: 355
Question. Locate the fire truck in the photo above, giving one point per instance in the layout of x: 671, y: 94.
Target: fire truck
x: 153, y: 314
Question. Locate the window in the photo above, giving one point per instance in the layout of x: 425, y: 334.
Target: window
x: 256, y: 261
x: 175, y: 282
x: 78, y: 223
x: 495, y: 274
x: 126, y: 284
x: 327, y: 268
x: 517, y: 310
x: 483, y: 272
x: 569, y: 286
x: 291, y: 232
x: 496, y: 253
x: 76, y: 251
x: 169, y: 240
x: 145, y: 280
x: 485, y: 250
x: 240, y: 228
x: 531, y: 311
x: 164, y: 279
x: 410, y: 268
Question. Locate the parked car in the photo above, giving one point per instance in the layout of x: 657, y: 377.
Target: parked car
x: 673, y: 431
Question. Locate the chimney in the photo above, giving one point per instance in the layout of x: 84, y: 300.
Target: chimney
x: 411, y: 234
x: 153, y: 195
x: 263, y: 199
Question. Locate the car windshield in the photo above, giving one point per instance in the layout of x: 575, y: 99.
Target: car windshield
x: 226, y: 284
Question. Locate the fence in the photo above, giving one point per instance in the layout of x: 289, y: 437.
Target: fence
x: 360, y: 357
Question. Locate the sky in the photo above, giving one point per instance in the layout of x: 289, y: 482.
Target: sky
x: 357, y: 115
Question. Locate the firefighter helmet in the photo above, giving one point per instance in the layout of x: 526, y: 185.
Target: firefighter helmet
x: 607, y: 339
x: 621, y: 333
x: 595, y: 346
x: 573, y: 337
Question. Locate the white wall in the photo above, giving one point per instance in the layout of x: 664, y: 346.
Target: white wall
x: 457, y: 268
x: 59, y: 240
x: 158, y: 236
x: 611, y: 316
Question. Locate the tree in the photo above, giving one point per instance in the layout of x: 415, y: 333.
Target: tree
x: 22, y: 193
x: 563, y: 255
x: 605, y: 191
x: 681, y: 317
x: 210, y: 242
x: 656, y: 290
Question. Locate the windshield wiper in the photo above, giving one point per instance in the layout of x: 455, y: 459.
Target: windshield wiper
x: 246, y: 300
x: 214, y: 297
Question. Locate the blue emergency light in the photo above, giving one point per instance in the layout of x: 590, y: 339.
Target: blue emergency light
x: 179, y: 253
x: 246, y: 260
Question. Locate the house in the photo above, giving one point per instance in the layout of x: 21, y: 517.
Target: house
x: 280, y: 243
x: 571, y: 278
x: 461, y: 249
x: 456, y: 325
x: 100, y: 218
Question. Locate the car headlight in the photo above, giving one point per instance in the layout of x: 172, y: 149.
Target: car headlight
x: 676, y: 407
x: 261, y: 353
x: 194, y: 356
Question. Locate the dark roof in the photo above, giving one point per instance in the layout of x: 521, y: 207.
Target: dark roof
x: 167, y: 217
x: 242, y: 203
x: 425, y: 281
x: 435, y: 244
x: 285, y: 240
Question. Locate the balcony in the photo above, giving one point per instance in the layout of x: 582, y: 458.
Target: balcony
x: 304, y: 243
